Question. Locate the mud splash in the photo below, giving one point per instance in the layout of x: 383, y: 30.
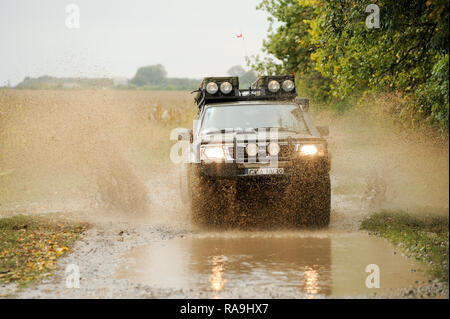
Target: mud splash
x: 80, y: 150
x: 101, y: 150
x: 386, y: 166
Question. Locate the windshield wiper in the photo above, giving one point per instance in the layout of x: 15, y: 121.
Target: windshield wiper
x: 282, y: 129
x: 230, y: 131
x: 214, y: 132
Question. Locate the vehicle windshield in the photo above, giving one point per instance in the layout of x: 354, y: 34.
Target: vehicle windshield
x: 253, y: 117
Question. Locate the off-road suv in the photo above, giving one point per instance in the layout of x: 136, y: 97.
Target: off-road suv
x: 244, y: 140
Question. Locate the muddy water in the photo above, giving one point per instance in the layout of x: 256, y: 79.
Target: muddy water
x: 313, y: 264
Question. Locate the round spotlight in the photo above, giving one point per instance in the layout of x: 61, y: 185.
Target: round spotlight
x: 212, y: 88
x: 251, y: 149
x: 288, y: 86
x: 274, y: 86
x: 273, y: 148
x: 226, y: 87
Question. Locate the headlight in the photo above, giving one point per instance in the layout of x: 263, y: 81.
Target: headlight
x: 212, y: 88
x: 251, y: 149
x: 308, y: 149
x: 274, y: 86
x: 226, y: 87
x: 288, y: 86
x: 212, y: 153
x: 273, y: 149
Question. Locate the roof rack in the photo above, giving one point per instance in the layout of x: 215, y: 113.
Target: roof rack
x: 226, y: 89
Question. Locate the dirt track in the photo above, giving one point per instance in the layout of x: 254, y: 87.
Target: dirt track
x: 91, y: 163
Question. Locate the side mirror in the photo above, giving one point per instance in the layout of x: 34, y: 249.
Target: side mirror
x: 303, y: 103
x: 323, y: 130
x: 185, y: 135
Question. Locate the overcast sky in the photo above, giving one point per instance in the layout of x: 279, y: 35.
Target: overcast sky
x: 191, y: 38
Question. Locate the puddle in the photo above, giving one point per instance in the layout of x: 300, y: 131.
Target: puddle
x: 310, y: 264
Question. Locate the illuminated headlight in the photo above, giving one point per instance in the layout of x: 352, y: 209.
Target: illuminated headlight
x: 274, y: 86
x: 251, y: 149
x: 226, y: 87
x: 212, y: 153
x: 308, y: 149
x: 273, y: 149
x: 288, y: 86
x: 212, y: 88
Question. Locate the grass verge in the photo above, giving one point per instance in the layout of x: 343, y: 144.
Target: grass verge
x: 31, y: 245
x: 425, y: 238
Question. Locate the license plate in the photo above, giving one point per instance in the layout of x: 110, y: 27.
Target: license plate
x: 264, y: 171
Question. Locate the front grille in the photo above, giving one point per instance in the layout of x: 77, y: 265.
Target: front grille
x: 240, y: 155
x: 286, y: 152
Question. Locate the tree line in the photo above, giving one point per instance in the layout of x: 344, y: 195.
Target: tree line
x: 156, y: 76
x: 151, y: 77
x: 337, y: 57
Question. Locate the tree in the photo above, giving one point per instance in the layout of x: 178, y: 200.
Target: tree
x: 398, y: 56
x: 408, y: 54
x: 327, y: 44
x: 150, y: 75
x: 236, y: 70
x: 247, y: 78
x: 288, y: 47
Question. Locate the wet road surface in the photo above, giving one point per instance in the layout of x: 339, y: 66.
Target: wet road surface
x: 309, y: 264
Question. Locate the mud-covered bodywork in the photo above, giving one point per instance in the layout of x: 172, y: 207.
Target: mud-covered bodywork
x: 239, y: 165
x: 243, y: 145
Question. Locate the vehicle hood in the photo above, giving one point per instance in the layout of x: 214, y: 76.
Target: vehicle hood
x: 229, y: 137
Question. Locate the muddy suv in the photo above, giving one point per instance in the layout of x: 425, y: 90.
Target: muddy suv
x: 258, y: 141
